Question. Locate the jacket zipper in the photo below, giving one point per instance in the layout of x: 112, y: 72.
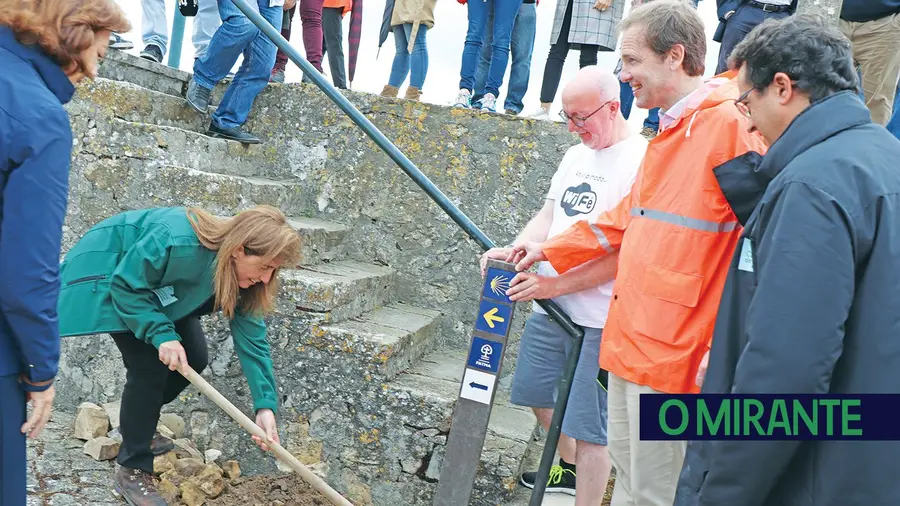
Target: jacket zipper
x: 86, y: 278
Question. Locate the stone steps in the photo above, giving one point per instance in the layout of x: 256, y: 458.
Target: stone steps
x: 320, y: 240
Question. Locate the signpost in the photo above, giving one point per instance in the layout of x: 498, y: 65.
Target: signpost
x: 477, y: 388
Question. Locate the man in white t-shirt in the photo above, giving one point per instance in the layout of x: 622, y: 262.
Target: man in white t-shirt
x: 592, y: 178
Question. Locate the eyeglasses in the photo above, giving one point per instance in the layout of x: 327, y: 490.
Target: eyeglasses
x: 741, y: 103
x: 579, y: 121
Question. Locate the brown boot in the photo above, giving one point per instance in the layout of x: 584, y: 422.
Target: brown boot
x: 413, y: 93
x: 138, y: 488
x: 390, y: 91
x: 161, y: 445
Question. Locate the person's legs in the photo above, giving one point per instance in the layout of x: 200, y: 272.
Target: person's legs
x: 334, y: 45
x: 521, y: 49
x: 742, y: 22
x: 619, y: 436
x: 281, y: 58
x: 484, y: 62
x: 555, y: 61
x: 13, y: 464
x: 206, y: 22
x: 875, y: 46
x: 311, y: 19
x: 153, y: 24
x: 400, y: 67
x: 478, y: 15
x: 505, y: 12
x: 587, y: 55
x: 418, y: 60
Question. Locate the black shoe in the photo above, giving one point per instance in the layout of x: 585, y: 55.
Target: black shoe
x: 561, y: 480
x: 153, y: 53
x: 232, y: 134
x: 117, y: 42
x: 198, y: 97
x: 161, y: 445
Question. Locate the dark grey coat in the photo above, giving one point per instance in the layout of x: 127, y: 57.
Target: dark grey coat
x: 815, y: 309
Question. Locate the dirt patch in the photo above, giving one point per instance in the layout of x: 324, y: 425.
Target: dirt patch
x: 288, y: 490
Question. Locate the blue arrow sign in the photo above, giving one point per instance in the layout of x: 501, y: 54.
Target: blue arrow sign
x: 478, y: 386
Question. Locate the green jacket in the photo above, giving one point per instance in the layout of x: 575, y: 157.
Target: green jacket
x: 140, y: 271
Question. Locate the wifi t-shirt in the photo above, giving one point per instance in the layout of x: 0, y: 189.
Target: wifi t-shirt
x: 588, y: 183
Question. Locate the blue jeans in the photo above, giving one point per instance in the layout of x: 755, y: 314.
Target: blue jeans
x: 13, y: 464
x: 504, y: 17
x: 155, y: 29
x: 893, y: 125
x: 238, y: 35
x: 415, y: 64
x: 626, y: 98
x: 521, y: 47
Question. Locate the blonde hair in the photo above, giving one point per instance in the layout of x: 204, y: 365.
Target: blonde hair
x: 262, y: 231
x: 62, y: 28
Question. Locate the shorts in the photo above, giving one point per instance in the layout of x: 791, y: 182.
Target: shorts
x: 542, y: 358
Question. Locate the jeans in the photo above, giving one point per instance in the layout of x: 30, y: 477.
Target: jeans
x: 333, y: 44
x: 505, y: 12
x: 415, y: 64
x: 557, y: 58
x: 894, y: 125
x: 626, y: 98
x: 13, y: 464
x: 156, y: 31
x: 521, y: 49
x: 238, y: 35
x: 149, y: 385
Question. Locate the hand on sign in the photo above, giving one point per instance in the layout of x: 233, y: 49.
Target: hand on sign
x: 701, y: 373
x: 493, y: 253
x: 526, y: 254
x: 527, y: 286
x: 602, y: 5
x: 265, y: 418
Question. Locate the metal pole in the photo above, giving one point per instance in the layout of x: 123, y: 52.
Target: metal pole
x: 177, y: 38
x: 553, y: 310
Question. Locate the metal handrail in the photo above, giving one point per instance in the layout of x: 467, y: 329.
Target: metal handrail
x: 553, y: 310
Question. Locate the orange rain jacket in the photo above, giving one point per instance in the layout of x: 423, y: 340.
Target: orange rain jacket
x: 676, y: 234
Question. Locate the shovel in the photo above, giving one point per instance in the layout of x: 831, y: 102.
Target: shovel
x: 308, y: 476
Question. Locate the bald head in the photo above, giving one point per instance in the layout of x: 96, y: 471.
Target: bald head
x: 592, y: 83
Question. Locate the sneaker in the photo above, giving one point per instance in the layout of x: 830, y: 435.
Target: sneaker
x: 561, y: 480
x: 541, y: 114
x: 488, y: 103
x: 648, y: 133
x: 153, y: 53
x: 138, y: 488
x: 117, y: 42
x: 161, y: 445
x: 277, y: 77
x: 198, y: 97
x: 464, y: 99
x: 232, y: 134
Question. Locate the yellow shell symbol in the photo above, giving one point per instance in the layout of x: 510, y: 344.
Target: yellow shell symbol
x: 499, y: 285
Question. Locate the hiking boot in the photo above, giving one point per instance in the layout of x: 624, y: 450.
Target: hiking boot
x: 117, y: 42
x: 198, y: 97
x: 137, y: 487
x: 648, y: 132
x: 561, y: 480
x: 413, y: 93
x: 153, y: 53
x: 232, y: 134
x: 161, y: 445
x: 390, y: 91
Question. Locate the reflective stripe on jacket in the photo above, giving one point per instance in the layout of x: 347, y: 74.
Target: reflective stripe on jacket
x: 676, y: 233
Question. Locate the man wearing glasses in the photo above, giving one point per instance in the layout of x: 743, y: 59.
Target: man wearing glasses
x: 809, y: 306
x: 592, y: 178
x: 675, y: 234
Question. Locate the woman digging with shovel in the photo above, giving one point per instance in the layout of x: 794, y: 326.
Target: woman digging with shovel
x: 146, y: 277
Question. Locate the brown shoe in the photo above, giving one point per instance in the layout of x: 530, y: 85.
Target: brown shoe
x: 161, y: 445
x: 138, y: 488
x: 413, y: 93
x: 390, y: 91
x: 648, y: 133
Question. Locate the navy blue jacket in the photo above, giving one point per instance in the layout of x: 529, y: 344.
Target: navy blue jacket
x: 35, y: 153
x: 868, y: 10
x: 810, y: 305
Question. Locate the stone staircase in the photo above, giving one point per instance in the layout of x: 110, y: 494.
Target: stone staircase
x: 367, y: 384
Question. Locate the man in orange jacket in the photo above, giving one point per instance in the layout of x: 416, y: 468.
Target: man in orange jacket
x: 675, y: 233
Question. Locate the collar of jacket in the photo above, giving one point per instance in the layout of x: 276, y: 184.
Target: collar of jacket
x: 51, y: 73
x: 744, y: 179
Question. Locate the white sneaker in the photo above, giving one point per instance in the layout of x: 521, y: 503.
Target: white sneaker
x: 488, y: 103
x: 541, y: 114
x: 463, y: 99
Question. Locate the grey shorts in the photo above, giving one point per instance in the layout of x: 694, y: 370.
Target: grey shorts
x: 542, y: 358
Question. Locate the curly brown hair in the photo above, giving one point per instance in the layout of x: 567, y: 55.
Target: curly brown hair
x: 64, y: 29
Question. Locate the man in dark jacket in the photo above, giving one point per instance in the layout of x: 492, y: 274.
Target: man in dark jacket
x: 810, y: 303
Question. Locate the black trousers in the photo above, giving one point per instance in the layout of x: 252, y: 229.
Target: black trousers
x: 557, y: 58
x: 149, y: 385
x: 333, y: 44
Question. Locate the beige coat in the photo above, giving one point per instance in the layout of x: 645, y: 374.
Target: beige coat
x: 415, y: 12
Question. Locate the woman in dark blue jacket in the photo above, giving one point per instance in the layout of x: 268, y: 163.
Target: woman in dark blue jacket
x: 46, y: 47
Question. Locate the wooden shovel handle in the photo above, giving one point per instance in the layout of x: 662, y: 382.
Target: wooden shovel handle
x: 251, y: 427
